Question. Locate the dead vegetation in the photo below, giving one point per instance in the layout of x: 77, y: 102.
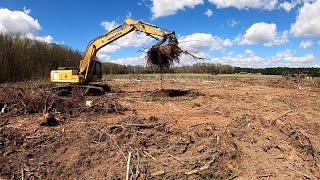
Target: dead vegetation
x: 157, y: 151
x: 231, y: 128
x: 18, y: 101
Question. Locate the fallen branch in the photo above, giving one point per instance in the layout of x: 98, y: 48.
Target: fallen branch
x: 4, y: 123
x: 158, y: 173
x: 273, y: 122
x: 128, y: 166
x: 22, y: 174
x: 205, y: 167
x: 117, y: 145
x: 175, y: 158
x: 135, y: 125
x: 155, y: 159
x: 303, y: 174
x: 149, y: 155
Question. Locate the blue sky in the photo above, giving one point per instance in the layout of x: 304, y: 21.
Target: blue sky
x: 250, y: 33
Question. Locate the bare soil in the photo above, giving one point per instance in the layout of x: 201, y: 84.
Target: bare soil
x: 197, y: 128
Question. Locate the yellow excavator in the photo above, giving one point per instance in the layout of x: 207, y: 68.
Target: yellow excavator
x: 89, y: 75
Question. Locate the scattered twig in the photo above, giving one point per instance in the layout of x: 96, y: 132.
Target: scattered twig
x: 117, y: 145
x: 303, y: 174
x: 135, y: 125
x: 155, y: 159
x: 266, y: 175
x: 128, y: 166
x: 205, y: 167
x: 158, y: 173
x: 137, y: 165
x: 146, y: 153
x: 175, y: 158
x: 4, y: 123
x: 273, y: 122
x: 22, y: 174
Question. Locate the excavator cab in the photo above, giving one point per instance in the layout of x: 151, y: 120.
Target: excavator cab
x: 97, y: 71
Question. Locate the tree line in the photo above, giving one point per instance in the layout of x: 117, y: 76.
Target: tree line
x: 25, y: 59
x: 209, y: 68
x: 112, y: 68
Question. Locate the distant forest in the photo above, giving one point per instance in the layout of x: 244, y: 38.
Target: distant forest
x: 24, y: 59
x: 111, y: 68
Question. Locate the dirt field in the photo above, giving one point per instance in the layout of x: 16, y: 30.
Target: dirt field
x: 214, y: 127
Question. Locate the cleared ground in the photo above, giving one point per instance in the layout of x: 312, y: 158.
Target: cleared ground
x: 223, y: 127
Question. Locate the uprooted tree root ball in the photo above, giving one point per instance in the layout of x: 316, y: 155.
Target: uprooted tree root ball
x: 162, y: 57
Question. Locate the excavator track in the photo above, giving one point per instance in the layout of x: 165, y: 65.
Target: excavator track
x: 87, y: 90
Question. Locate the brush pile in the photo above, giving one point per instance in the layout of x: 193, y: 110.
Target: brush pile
x: 18, y: 101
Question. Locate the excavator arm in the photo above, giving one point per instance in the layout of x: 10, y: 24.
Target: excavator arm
x: 87, y: 64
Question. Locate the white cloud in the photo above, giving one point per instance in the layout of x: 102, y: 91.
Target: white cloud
x: 208, y: 12
x: 46, y: 39
x: 109, y: 25
x: 233, y: 23
x: 287, y: 6
x: 289, y: 56
x: 250, y: 59
x: 245, y: 4
x: 307, y: 21
x: 247, y: 59
x: 132, y: 39
x: 20, y: 22
x: 263, y: 33
x: 306, y: 44
x: 169, y: 7
x: 27, y: 11
x: 17, y: 22
x: 134, y: 60
x: 199, y: 41
x: 249, y: 52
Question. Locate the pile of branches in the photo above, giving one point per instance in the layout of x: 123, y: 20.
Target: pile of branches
x: 18, y: 101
